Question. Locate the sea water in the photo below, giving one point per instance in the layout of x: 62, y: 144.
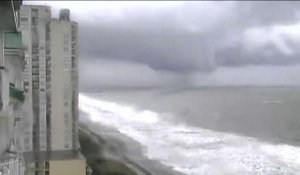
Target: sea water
x: 193, y: 150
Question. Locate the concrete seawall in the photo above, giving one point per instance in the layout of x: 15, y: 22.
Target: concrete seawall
x: 136, y: 167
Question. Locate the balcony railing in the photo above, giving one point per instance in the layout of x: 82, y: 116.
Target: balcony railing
x: 12, y: 165
x: 16, y: 93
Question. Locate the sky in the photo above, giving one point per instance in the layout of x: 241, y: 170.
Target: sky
x: 185, y: 44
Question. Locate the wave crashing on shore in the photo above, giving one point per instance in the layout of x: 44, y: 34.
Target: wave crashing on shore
x: 193, y: 150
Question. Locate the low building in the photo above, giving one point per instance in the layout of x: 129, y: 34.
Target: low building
x: 55, y: 162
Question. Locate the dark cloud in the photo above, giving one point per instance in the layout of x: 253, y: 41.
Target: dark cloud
x: 161, y: 51
x: 267, y: 55
x: 166, y: 46
x: 248, y: 76
x: 187, y: 38
x: 260, y: 13
x: 102, y: 74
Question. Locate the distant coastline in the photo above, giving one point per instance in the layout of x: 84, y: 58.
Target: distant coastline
x: 94, y: 90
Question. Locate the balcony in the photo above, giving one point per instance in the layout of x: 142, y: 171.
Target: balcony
x: 16, y: 93
x: 13, y: 51
x: 12, y: 42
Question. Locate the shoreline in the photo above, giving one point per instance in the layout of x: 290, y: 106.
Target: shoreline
x: 271, y: 111
x: 131, y: 152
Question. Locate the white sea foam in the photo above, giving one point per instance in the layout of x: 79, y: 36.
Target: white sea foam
x: 192, y: 150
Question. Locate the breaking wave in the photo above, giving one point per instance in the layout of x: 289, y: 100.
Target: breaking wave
x: 193, y: 150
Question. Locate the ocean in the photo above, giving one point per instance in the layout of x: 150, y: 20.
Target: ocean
x: 207, y: 131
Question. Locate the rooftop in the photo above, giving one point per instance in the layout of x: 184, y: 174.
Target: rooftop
x: 52, y: 155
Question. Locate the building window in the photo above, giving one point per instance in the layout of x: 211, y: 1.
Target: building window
x: 48, y: 51
x: 73, y: 62
x: 35, y: 77
x: 35, y: 49
x: 26, y: 140
x: 34, y: 12
x: 34, y: 21
x: 46, y: 165
x: 35, y: 71
x: 35, y: 85
x: 23, y: 19
x: 36, y: 165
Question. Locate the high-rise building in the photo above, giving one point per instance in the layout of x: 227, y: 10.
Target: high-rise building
x: 50, y: 80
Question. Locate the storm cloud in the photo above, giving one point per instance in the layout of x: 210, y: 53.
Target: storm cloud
x: 146, y: 46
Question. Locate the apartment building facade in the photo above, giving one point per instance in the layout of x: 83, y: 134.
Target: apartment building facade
x: 50, y: 81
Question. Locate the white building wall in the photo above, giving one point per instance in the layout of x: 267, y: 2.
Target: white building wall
x: 75, y: 82
x: 1, y: 47
x: 13, y: 68
x: 10, y: 112
x: 5, y: 122
x: 57, y: 88
x: 61, y: 85
x: 74, y: 85
x: 42, y: 79
x: 10, y: 62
